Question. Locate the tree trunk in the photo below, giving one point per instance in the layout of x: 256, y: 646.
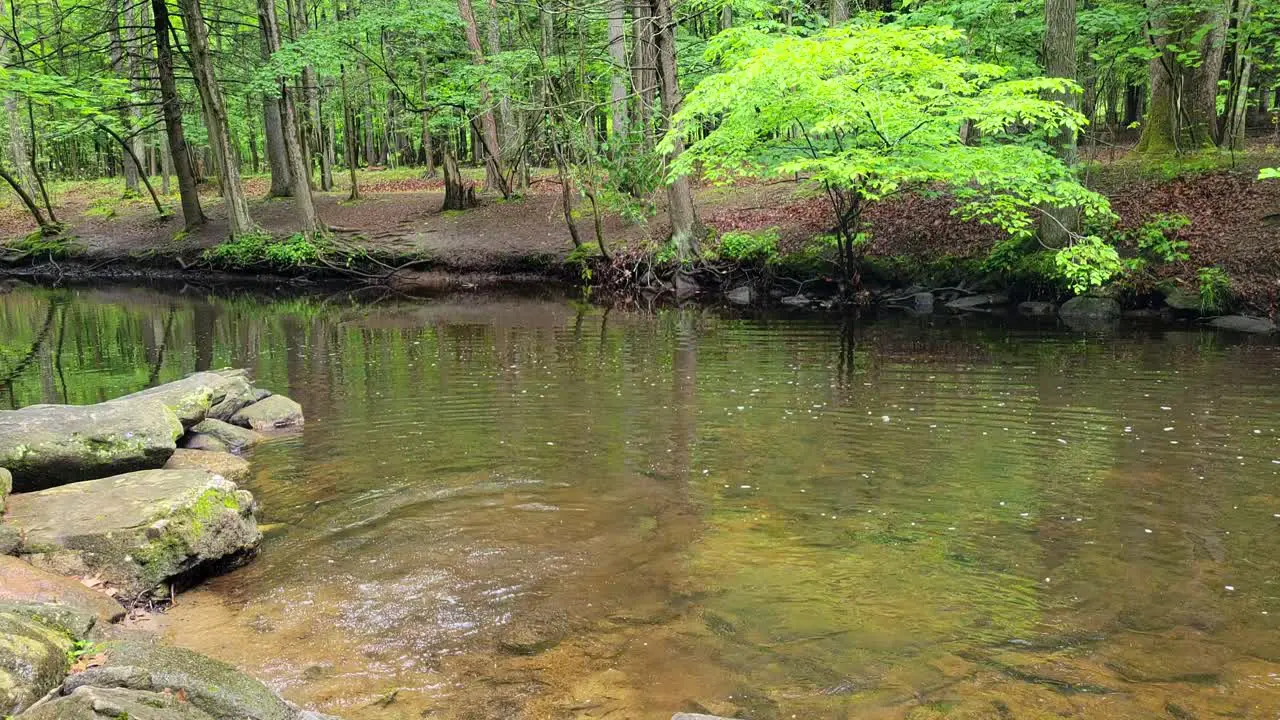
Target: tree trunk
x: 28, y: 201
x: 1057, y: 225
x: 273, y: 132
x: 686, y: 228
x: 457, y: 196
x: 494, y: 178
x: 1183, y: 112
x: 215, y: 116
x: 839, y: 11
x: 644, y: 76
x: 1235, y: 114
x: 171, y: 107
x: 618, y: 56
x: 350, y: 151
x: 18, y: 147
x: 133, y: 47
x: 304, y: 207
x: 116, y: 55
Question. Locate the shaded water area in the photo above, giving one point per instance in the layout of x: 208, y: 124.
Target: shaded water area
x: 528, y: 508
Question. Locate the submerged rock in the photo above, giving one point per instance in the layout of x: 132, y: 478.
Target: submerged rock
x: 93, y: 703
x: 48, y: 445
x: 23, y: 583
x: 231, y: 437
x: 231, y: 467
x: 741, y: 295
x: 1037, y: 309
x: 140, y: 531
x: 1180, y: 298
x: 271, y: 413
x: 215, y: 688
x: 922, y: 302
x: 1244, y: 323
x: 1091, y: 308
x: 796, y: 301
x: 974, y: 302
x: 33, y: 659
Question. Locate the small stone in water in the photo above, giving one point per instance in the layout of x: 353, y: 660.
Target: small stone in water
x: 1230, y: 587
x: 1147, y: 530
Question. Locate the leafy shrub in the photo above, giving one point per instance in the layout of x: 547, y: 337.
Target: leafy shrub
x: 55, y: 247
x: 1157, y: 238
x: 749, y: 247
x: 1269, y: 174
x: 1215, y: 288
x: 260, y: 248
x: 1087, y: 263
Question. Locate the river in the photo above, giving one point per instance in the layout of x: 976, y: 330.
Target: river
x: 531, y: 507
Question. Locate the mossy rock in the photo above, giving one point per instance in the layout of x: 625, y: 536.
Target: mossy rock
x: 192, y: 397
x: 215, y: 688
x: 93, y: 703
x: 140, y: 532
x: 49, y: 445
x: 33, y: 660
x: 23, y: 583
x: 276, y: 412
x: 231, y: 437
x: 6, y: 487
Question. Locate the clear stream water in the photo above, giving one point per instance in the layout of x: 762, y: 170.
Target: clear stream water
x: 530, y: 508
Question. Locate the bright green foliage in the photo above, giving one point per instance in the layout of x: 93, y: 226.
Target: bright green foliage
x: 748, y: 247
x: 1215, y: 288
x: 1157, y: 238
x: 1087, y: 263
x: 1269, y: 174
x: 869, y: 110
x: 261, y: 249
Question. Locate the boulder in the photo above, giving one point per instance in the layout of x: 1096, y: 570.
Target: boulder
x: 239, y: 394
x: 231, y: 437
x: 1244, y: 323
x: 192, y: 397
x: 48, y: 445
x: 33, y: 659
x: 741, y: 295
x: 1037, y: 309
x: 974, y: 302
x: 1090, y: 308
x: 139, y: 532
x: 93, y: 703
x: 922, y: 302
x: 23, y: 583
x: 10, y: 540
x: 231, y: 467
x: 271, y: 413
x: 215, y: 688
x: 1180, y: 298
x: 6, y: 487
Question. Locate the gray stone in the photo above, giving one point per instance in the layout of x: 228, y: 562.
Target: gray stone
x: 94, y: 703
x: 139, y: 532
x: 1090, y: 308
x: 1037, y: 309
x: 201, y: 441
x: 213, y: 687
x: 10, y: 540
x: 6, y: 487
x: 239, y: 394
x: 1180, y: 298
x: 48, y: 445
x: 272, y: 413
x: 974, y: 302
x: 796, y: 301
x: 922, y: 302
x: 232, y: 437
x: 1244, y: 323
x: 741, y: 295
x: 229, y: 466
x: 33, y: 659
x: 23, y: 583
x: 191, y: 397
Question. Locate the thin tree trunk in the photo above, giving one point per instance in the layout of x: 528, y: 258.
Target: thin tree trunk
x: 618, y: 56
x: 116, y: 54
x: 18, y: 148
x: 215, y: 115
x: 28, y: 201
x: 171, y: 107
x: 304, y: 207
x: 494, y: 178
x: 350, y: 151
x: 644, y: 77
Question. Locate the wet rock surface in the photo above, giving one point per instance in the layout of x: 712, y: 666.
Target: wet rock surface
x: 33, y: 659
x: 140, y: 531
x: 1244, y: 323
x: 23, y: 583
x: 192, y: 397
x: 276, y: 412
x: 215, y: 434
x: 93, y: 703
x: 231, y: 467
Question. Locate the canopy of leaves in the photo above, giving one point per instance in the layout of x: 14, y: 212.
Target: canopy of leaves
x: 871, y: 109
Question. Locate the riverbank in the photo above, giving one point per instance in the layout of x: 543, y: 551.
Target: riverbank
x: 107, y: 511
x: 1217, y: 227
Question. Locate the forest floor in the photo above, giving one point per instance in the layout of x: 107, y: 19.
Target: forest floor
x: 1235, y: 221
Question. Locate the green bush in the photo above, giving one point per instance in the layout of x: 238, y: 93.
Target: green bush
x: 1157, y: 238
x: 760, y: 246
x: 1215, y: 289
x: 259, y: 248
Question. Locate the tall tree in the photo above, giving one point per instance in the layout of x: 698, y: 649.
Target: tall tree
x: 618, y: 56
x: 304, y: 206
x: 1187, y: 53
x: 1057, y: 224
x: 494, y: 178
x: 215, y: 117
x: 686, y: 228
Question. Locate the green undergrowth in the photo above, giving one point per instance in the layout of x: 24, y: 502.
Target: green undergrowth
x: 37, y: 245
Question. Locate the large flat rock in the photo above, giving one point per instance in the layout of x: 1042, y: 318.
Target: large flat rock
x: 23, y: 583
x: 192, y: 397
x: 139, y: 532
x: 276, y: 412
x: 48, y: 445
x: 217, y: 434
x: 92, y: 703
x: 231, y: 467
x: 215, y: 688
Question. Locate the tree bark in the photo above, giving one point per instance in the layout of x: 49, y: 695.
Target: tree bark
x: 350, y: 151
x: 304, y: 207
x: 18, y: 148
x: 171, y: 107
x: 1235, y: 115
x: 27, y: 200
x: 1183, y: 114
x: 644, y: 78
x: 618, y: 57
x: 1057, y: 225
x: 839, y: 11
x: 215, y: 116
x: 686, y: 227
x: 116, y: 55
x: 494, y: 178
